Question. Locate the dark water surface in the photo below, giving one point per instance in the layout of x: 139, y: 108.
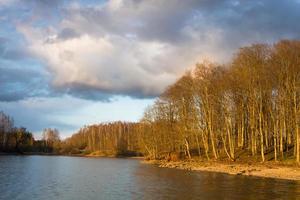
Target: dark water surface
x: 72, y: 178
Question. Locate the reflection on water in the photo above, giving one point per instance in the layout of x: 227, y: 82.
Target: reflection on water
x: 58, y: 177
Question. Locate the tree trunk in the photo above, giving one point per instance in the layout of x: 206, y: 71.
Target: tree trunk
x: 205, y: 144
x: 296, y: 123
x: 198, y: 145
x: 187, y: 148
x: 261, y: 133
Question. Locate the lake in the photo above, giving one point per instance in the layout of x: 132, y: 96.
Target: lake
x: 59, y: 177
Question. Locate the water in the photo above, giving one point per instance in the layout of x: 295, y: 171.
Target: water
x: 72, y: 178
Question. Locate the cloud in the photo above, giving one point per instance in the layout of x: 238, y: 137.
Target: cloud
x: 110, y: 64
x: 58, y: 57
x: 138, y: 47
x: 20, y: 83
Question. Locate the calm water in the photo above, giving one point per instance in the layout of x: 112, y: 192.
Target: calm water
x: 47, y: 177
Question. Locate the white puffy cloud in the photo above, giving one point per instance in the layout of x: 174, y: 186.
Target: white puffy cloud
x: 110, y: 64
x: 138, y: 47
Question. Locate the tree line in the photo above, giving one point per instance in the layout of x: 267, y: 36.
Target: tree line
x: 106, y: 139
x: 20, y: 140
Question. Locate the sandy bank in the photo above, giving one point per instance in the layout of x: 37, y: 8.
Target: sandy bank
x: 270, y: 170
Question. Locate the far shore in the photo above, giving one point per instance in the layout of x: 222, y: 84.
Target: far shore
x: 67, y: 155
x: 267, y: 169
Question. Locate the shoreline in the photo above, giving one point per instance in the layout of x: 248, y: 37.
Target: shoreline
x: 68, y: 155
x: 262, y: 170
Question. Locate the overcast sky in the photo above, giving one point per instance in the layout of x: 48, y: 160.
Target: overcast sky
x: 64, y: 64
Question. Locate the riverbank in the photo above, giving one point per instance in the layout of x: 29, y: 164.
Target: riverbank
x: 91, y: 155
x: 267, y: 169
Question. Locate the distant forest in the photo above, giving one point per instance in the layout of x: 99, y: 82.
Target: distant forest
x: 249, y: 107
x: 19, y: 140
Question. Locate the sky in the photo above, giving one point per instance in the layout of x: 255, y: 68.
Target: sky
x: 68, y: 63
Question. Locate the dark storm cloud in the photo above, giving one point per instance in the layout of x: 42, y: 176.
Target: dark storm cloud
x: 84, y: 92
x: 87, y: 92
x: 17, y: 83
x: 165, y: 20
x: 243, y: 22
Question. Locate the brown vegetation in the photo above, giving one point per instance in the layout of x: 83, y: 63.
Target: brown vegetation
x: 19, y: 140
x: 106, y: 139
x: 251, y: 105
x: 13, y: 138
